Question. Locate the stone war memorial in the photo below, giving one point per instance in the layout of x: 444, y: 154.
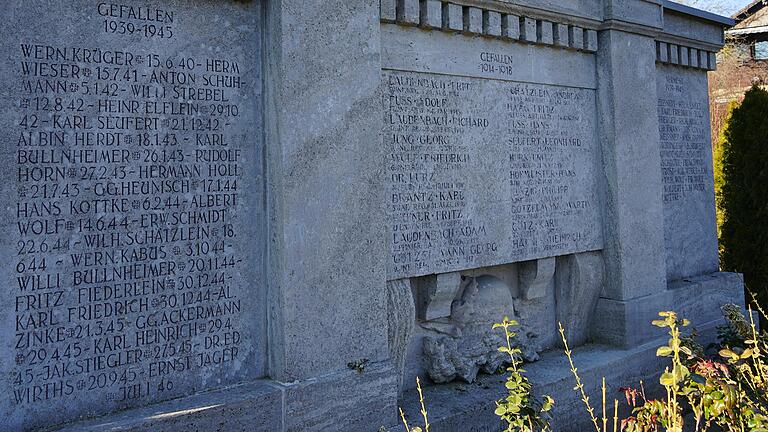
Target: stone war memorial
x: 274, y: 215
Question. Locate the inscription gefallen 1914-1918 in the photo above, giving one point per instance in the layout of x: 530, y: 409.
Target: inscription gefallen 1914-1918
x: 131, y: 156
x: 485, y: 172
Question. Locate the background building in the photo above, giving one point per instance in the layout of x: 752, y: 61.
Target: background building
x: 742, y: 62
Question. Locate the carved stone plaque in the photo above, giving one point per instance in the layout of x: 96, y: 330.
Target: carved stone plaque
x: 132, y: 206
x: 483, y: 172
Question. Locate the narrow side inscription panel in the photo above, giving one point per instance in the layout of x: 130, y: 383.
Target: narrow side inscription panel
x: 690, y: 229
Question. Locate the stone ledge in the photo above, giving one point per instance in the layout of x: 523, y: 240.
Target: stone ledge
x: 344, y: 400
x: 469, y: 407
x: 256, y: 406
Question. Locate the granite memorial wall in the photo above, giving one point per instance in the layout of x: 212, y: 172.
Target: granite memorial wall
x: 132, y: 236
x: 273, y: 215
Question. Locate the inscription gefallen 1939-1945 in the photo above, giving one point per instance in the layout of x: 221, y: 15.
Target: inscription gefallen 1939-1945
x: 128, y: 167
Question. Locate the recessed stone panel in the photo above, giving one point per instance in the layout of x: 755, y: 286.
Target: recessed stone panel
x: 690, y: 230
x: 132, y: 204
x: 483, y: 172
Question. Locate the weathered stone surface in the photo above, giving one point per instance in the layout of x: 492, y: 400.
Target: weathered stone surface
x: 432, y: 14
x: 412, y: 49
x: 466, y: 343
x: 401, y: 313
x: 132, y: 233
x: 697, y: 299
x: 343, y: 401
x: 453, y: 17
x: 591, y: 40
x: 633, y: 211
x: 535, y: 277
x: 256, y: 407
x: 436, y: 294
x: 455, y: 172
x: 451, y: 358
x: 388, y: 10
x: 561, y: 35
x: 511, y: 26
x: 663, y: 49
x: 473, y: 20
x: 492, y: 23
x: 579, y: 283
x: 408, y: 11
x: 327, y: 245
x: 576, y: 37
x: 545, y: 30
x: 528, y: 30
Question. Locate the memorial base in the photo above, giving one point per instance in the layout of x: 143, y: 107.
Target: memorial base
x: 697, y: 299
x: 348, y: 400
x: 365, y: 401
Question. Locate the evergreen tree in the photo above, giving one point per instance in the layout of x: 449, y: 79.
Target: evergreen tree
x: 743, y: 200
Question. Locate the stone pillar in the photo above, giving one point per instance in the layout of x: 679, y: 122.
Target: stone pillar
x: 327, y: 252
x: 635, y: 279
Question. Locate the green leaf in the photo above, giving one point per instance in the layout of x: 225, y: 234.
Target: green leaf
x: 698, y: 379
x: 667, y: 379
x: 664, y: 351
x: 548, y: 403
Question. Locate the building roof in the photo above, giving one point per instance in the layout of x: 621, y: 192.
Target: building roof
x: 681, y: 8
x: 749, y: 10
x: 751, y: 22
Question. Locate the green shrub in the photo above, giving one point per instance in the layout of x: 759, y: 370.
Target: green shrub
x: 744, y: 192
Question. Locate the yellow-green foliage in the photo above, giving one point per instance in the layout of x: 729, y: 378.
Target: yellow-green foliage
x: 729, y: 393
x: 717, y: 162
x: 520, y: 409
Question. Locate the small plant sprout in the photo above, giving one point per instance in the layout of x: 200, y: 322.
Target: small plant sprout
x: 423, y: 412
x: 580, y: 386
x: 520, y: 409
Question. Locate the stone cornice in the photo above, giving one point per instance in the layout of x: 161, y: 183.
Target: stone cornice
x: 476, y: 20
